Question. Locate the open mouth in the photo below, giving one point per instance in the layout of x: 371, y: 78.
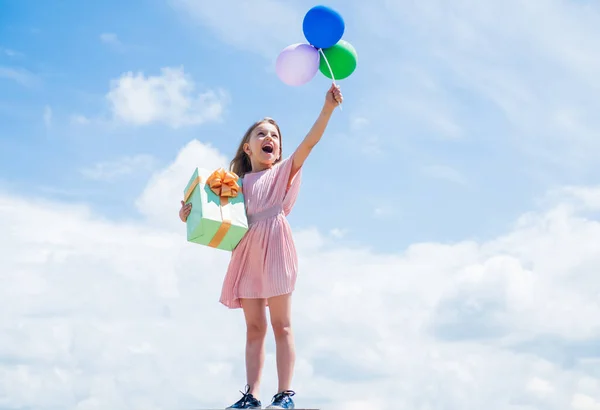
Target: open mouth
x: 268, y: 148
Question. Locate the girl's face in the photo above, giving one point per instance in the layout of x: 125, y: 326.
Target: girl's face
x: 263, y: 147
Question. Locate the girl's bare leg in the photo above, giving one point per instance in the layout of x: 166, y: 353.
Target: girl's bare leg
x: 256, y: 330
x: 280, y: 309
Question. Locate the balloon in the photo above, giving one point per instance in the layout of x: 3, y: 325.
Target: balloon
x: 323, y: 27
x: 342, y: 59
x: 297, y: 64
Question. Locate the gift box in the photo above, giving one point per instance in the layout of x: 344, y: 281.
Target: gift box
x: 218, y: 216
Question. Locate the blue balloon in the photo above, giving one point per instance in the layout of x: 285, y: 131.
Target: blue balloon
x: 323, y: 27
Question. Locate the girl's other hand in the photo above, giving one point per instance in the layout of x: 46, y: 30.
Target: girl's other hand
x: 334, y: 97
x: 185, y: 210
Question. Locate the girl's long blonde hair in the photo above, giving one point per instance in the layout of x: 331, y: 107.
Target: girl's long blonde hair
x: 240, y: 164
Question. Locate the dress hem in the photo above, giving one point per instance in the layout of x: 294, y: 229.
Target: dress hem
x: 236, y: 304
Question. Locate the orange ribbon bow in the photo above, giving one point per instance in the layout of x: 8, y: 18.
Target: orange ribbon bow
x: 223, y: 183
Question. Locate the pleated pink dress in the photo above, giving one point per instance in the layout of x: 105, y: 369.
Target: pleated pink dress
x: 265, y: 263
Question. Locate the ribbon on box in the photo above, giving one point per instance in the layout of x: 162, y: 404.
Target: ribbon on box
x: 224, y: 184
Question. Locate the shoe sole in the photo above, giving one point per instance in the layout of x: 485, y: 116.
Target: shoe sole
x: 248, y: 408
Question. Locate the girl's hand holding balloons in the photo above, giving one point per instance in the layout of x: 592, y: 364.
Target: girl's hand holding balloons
x: 334, y: 97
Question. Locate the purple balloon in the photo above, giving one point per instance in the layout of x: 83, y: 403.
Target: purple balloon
x: 297, y: 64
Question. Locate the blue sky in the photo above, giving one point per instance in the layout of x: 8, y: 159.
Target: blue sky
x: 449, y: 210
x: 454, y: 160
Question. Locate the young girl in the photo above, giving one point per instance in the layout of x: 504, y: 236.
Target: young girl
x: 263, y: 267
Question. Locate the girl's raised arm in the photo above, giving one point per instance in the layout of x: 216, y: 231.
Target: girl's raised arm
x: 332, y: 100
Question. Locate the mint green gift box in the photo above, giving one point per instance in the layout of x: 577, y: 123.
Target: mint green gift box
x: 216, y: 221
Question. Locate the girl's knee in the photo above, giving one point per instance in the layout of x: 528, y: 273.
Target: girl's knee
x: 281, y: 329
x: 256, y: 331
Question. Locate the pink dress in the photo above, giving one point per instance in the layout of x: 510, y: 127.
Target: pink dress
x: 264, y: 264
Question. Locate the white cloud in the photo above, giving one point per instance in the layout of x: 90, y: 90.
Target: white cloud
x: 446, y: 173
x: 384, y: 210
x: 10, y: 53
x: 584, y: 402
x: 160, y: 200
x: 170, y: 98
x: 112, y: 40
x: 540, y: 387
x: 122, y: 315
x: 586, y: 197
x: 338, y: 233
x: 109, y: 170
x: 19, y: 75
x: 109, y: 38
x: 48, y: 116
x: 423, y: 101
x: 79, y: 119
x: 492, y: 69
x: 362, y: 139
x: 358, y: 123
x: 245, y: 26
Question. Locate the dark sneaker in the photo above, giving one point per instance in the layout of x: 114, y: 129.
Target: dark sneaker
x: 283, y: 400
x: 247, y: 401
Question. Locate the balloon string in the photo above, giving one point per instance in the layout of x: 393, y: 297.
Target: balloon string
x: 328, y: 66
x: 330, y: 71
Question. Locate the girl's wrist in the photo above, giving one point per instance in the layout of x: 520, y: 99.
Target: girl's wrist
x: 327, y: 109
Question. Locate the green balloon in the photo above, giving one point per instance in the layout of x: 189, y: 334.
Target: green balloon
x: 342, y: 59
